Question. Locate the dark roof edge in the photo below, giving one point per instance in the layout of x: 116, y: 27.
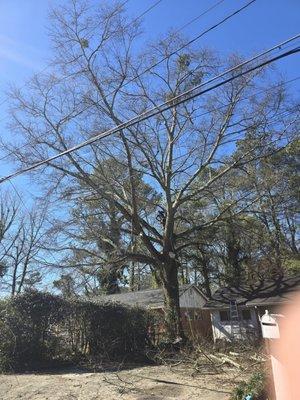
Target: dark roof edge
x: 250, y: 303
x: 225, y: 306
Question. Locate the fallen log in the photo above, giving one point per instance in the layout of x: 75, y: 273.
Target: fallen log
x: 225, y: 359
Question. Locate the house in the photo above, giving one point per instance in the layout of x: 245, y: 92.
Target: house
x: 236, y: 312
x: 196, y: 321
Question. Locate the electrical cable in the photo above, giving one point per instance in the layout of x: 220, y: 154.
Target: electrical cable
x: 181, y: 98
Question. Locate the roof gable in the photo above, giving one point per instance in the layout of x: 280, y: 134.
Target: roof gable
x: 192, y: 297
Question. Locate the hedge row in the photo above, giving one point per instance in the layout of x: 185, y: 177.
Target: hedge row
x: 39, y: 329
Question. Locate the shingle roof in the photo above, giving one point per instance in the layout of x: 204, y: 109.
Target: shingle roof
x: 153, y: 298
x: 264, y: 293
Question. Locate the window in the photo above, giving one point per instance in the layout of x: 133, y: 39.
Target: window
x: 246, y: 315
x: 224, y: 315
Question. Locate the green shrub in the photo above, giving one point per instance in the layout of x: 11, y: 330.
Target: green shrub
x: 108, y: 329
x: 26, y: 329
x: 39, y: 329
x: 7, y: 347
x: 256, y: 387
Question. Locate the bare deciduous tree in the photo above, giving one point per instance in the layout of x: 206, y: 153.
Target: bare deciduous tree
x: 182, y: 154
x: 21, y: 246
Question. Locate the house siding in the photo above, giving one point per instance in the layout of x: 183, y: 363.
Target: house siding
x: 192, y: 298
x: 222, y: 330
x: 196, y: 321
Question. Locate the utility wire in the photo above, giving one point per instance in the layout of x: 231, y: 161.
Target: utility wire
x: 133, y: 21
x: 177, y: 100
x: 171, y: 54
x: 214, y: 109
x: 282, y: 114
x: 194, y: 116
x: 206, y: 31
x: 146, y: 11
x: 181, y: 47
x: 199, y: 16
x: 176, y: 31
x: 147, y: 114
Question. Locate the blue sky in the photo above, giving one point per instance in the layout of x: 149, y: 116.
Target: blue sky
x: 25, y: 46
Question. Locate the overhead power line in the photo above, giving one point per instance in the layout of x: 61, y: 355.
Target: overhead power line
x: 199, y: 16
x: 174, y: 52
x: 133, y: 21
x: 176, y: 31
x: 177, y: 100
x: 213, y: 109
x: 146, y: 11
x: 171, y: 54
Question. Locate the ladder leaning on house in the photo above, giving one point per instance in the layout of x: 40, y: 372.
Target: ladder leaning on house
x: 235, y: 322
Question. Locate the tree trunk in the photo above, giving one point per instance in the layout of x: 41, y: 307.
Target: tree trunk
x: 170, y: 286
x: 14, y: 281
x: 203, y: 262
x: 206, y: 279
x: 132, y: 277
x: 109, y: 280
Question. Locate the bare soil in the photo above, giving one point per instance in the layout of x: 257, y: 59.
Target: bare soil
x: 140, y: 383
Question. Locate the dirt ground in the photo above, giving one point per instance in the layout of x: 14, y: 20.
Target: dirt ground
x: 141, y: 383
